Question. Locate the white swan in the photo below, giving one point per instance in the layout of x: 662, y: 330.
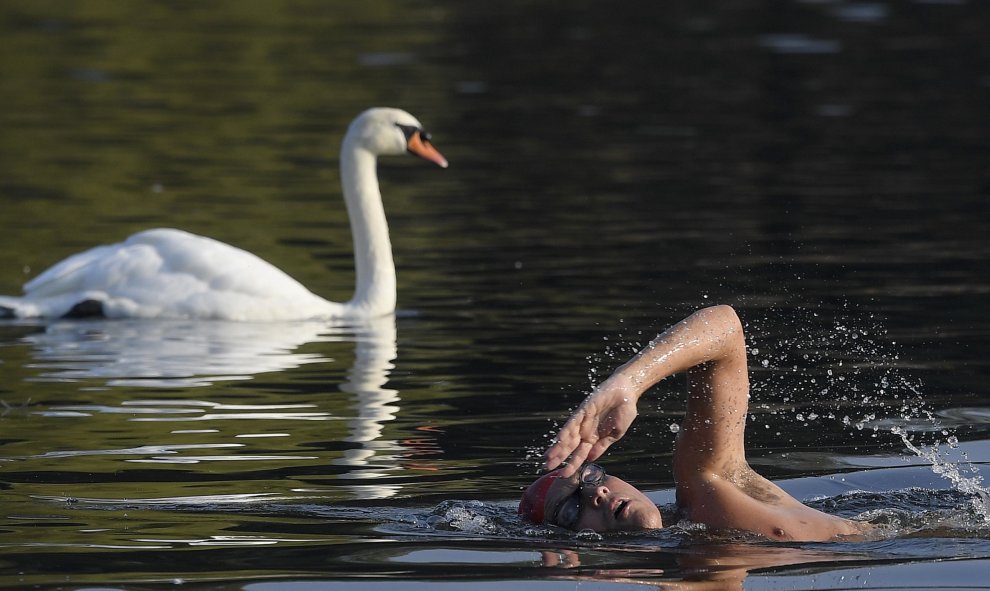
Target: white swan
x: 166, y: 273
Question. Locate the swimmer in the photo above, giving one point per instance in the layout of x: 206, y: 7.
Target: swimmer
x: 715, y: 485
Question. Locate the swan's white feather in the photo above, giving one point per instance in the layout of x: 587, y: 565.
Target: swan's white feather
x: 166, y: 273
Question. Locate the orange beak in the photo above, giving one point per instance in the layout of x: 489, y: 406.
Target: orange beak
x: 422, y: 147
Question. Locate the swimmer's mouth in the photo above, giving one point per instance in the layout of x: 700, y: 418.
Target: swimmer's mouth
x: 622, y: 505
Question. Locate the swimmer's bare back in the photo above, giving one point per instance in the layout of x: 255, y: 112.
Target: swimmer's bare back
x: 741, y: 499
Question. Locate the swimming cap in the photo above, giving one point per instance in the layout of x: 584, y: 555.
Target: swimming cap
x: 533, y: 500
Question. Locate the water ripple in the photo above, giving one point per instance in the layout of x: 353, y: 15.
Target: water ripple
x: 199, y: 407
x: 172, y: 354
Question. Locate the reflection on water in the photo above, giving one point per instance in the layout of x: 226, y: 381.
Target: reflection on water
x: 461, y: 536
x: 171, y: 354
x: 375, y: 350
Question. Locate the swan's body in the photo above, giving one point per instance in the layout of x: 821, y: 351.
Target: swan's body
x: 168, y: 273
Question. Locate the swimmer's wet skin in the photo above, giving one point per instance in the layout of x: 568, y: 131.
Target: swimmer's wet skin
x: 589, y: 499
x: 715, y: 484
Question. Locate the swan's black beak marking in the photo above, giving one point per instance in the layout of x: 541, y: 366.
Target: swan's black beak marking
x: 408, y: 130
x: 418, y: 143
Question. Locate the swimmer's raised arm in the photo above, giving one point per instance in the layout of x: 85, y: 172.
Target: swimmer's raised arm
x: 715, y: 485
x: 711, y: 344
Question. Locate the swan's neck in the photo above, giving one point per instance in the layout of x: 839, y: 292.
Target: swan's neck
x: 374, y: 293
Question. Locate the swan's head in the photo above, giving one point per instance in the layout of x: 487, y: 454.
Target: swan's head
x: 385, y: 131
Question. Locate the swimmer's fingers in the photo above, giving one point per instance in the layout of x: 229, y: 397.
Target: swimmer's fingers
x: 568, y: 441
x: 600, y: 447
x: 574, y: 441
x: 609, y: 431
x: 612, y: 427
x: 601, y: 420
x: 575, y: 459
x: 554, y: 456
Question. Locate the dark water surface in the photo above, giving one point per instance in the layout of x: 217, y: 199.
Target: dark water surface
x: 821, y: 166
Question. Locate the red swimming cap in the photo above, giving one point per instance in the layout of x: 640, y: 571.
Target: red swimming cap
x: 533, y: 501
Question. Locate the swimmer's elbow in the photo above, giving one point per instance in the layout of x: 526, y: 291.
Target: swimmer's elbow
x: 725, y: 310
x: 724, y: 315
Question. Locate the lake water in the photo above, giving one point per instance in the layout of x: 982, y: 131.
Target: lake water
x: 821, y: 166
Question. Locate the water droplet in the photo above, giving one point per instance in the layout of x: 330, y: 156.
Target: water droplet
x: 674, y: 428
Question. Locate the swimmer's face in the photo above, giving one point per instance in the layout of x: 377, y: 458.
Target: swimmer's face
x: 603, y: 503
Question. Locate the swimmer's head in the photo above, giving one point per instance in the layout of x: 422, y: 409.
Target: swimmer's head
x: 589, y: 499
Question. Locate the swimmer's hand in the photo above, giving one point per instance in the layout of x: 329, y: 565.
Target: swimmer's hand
x: 601, y: 420
x: 712, y: 338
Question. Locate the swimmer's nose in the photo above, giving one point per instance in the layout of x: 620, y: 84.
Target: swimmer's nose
x: 599, y: 496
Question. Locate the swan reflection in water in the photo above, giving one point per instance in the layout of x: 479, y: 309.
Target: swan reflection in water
x: 173, y: 353
x: 374, y: 352
x: 191, y: 354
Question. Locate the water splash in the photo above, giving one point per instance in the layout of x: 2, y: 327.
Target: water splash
x: 848, y: 365
x: 941, y: 465
x: 910, y: 514
x: 617, y: 350
x: 472, y: 517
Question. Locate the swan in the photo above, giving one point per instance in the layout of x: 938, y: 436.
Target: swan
x: 169, y: 273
